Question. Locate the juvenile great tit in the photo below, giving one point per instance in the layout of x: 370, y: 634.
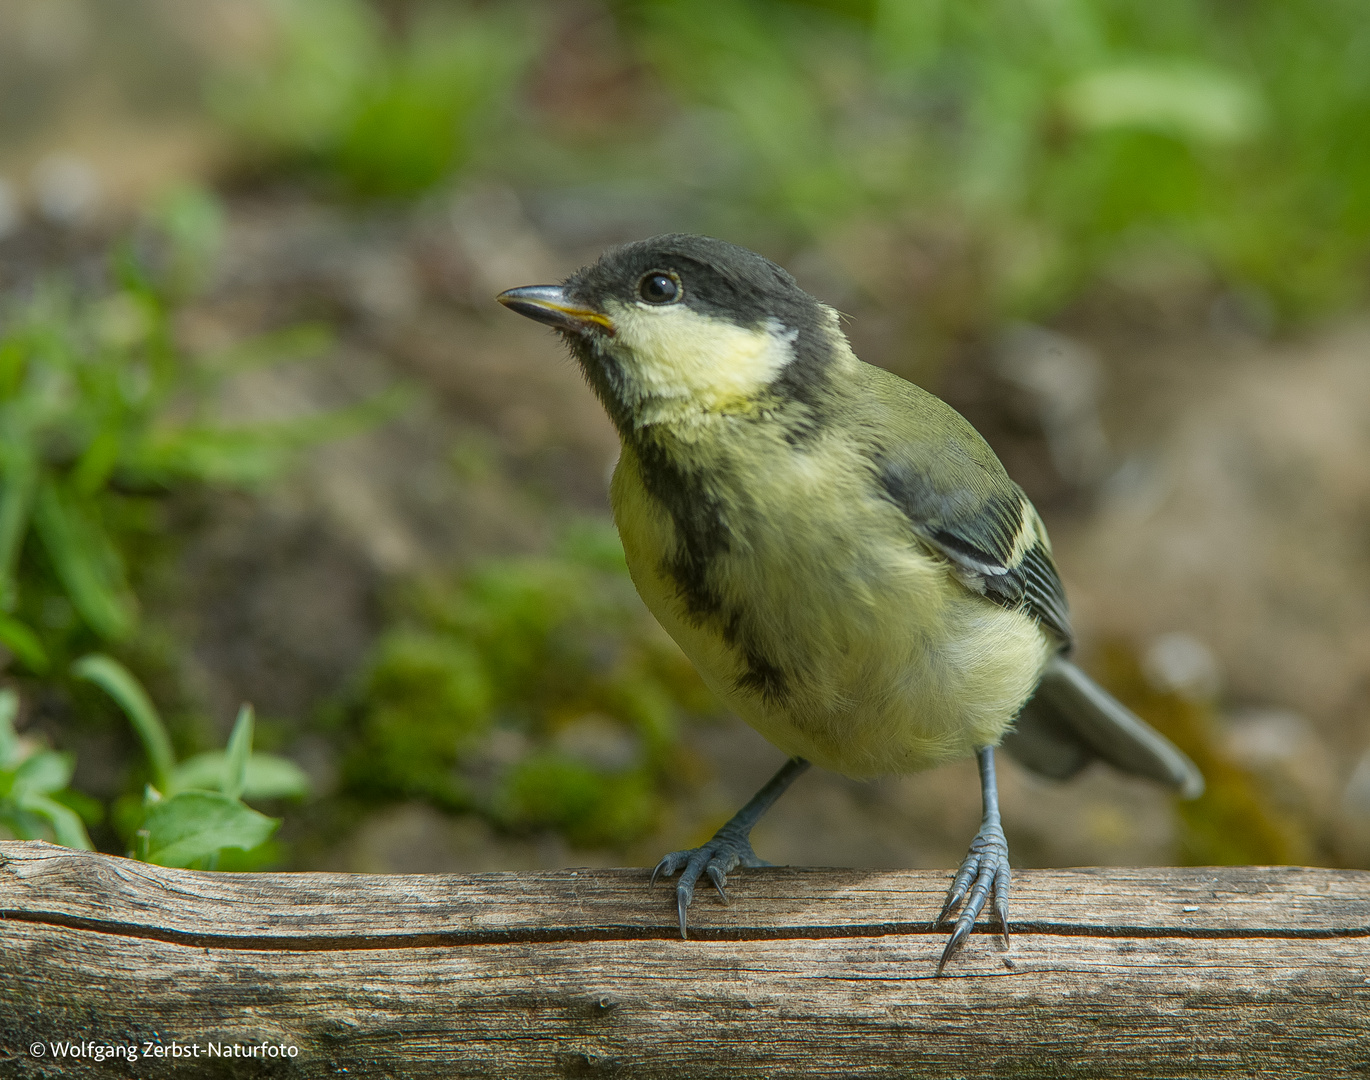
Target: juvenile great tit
x: 838, y: 552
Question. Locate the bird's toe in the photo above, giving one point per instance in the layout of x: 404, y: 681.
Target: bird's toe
x: 984, y: 873
x: 716, y: 860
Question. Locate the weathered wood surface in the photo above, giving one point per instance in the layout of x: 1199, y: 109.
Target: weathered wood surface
x: 1256, y: 972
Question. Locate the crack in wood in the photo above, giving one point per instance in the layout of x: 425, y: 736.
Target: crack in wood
x: 546, y: 935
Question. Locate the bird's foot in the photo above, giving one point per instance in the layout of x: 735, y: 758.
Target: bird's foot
x: 724, y: 853
x: 985, y: 870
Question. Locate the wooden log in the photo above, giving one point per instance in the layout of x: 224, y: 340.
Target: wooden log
x: 1113, y: 972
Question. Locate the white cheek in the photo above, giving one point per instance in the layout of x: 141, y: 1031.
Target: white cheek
x: 674, y: 352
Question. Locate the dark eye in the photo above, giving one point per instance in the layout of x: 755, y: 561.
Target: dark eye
x: 659, y: 287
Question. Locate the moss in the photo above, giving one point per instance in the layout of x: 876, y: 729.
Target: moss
x: 550, y: 790
x: 536, y: 691
x: 437, y: 673
x: 428, y: 696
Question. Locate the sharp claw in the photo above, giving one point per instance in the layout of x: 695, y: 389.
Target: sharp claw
x: 665, y: 868
x: 952, y: 900
x: 958, y: 935
x: 719, y: 879
x: 682, y: 901
x: 955, y: 895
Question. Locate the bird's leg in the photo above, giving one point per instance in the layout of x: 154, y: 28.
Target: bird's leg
x: 985, y: 868
x: 730, y: 847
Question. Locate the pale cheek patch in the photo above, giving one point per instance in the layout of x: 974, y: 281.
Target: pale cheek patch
x: 676, y: 353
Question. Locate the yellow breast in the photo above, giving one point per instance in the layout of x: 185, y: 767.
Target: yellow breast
x: 890, y: 664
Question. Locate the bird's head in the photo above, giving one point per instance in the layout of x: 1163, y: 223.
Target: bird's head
x: 680, y: 325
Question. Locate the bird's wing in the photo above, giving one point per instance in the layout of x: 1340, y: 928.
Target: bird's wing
x: 958, y: 500
x: 962, y: 504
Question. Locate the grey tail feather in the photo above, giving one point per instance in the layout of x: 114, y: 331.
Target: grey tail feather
x: 1071, y: 720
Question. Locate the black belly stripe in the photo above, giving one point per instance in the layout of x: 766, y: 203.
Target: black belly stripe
x: 701, y: 534
x: 764, y: 678
x: 702, y: 539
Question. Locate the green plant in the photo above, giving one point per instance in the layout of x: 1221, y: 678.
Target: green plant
x: 536, y: 691
x: 193, y: 811
x: 100, y: 412
x: 1035, y: 146
x: 101, y: 415
x: 389, y: 112
x: 35, y: 802
x: 1055, y: 140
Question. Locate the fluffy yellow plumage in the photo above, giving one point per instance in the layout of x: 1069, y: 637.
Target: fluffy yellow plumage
x: 893, y: 664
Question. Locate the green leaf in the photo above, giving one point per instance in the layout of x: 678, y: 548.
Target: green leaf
x: 13, y: 366
x: 1191, y: 100
x: 239, y: 750
x: 67, y: 827
x: 267, y: 776
x: 43, y: 773
x: 93, y: 470
x: 87, y: 808
x: 9, y: 741
x: 16, y: 504
x: 118, y: 682
x: 85, y: 561
x: 195, y: 825
x: 24, y: 643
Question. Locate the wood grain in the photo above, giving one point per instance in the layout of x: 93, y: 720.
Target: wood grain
x: 1157, y: 972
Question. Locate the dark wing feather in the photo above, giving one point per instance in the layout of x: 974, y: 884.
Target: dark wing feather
x: 958, y: 500
x: 975, y: 517
x: 1042, y: 590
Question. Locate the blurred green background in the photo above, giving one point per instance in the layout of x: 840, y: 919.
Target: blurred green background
x: 265, y: 438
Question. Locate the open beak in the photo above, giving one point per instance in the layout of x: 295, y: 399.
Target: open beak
x: 548, y: 304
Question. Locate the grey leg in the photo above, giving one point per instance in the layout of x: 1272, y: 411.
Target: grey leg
x: 730, y: 847
x: 986, y: 866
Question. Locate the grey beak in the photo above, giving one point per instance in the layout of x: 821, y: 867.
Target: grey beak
x: 548, y: 304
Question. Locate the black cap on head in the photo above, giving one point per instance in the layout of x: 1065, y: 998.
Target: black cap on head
x: 599, y: 310
x: 710, y: 276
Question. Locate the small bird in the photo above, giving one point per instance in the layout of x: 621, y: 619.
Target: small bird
x: 838, y: 552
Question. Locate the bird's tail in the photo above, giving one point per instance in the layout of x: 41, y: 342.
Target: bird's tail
x: 1071, y: 720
